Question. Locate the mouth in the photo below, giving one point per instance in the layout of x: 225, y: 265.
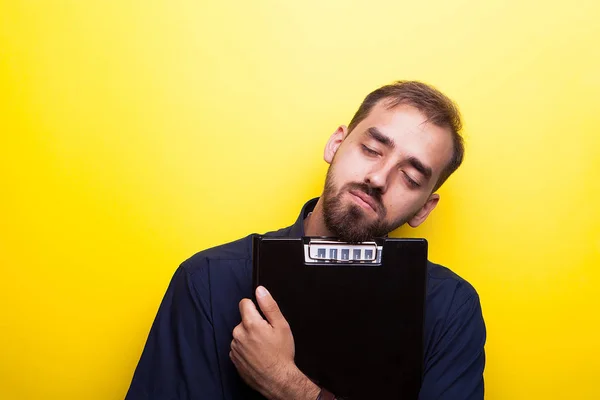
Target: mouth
x: 363, y: 200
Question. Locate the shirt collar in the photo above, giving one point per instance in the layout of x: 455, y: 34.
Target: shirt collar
x: 297, y: 230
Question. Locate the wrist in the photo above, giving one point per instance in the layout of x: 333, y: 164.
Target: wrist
x: 296, y: 385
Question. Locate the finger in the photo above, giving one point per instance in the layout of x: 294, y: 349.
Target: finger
x: 235, y: 357
x: 249, y: 312
x: 239, y: 335
x: 239, y: 361
x: 234, y: 345
x: 269, y: 307
x: 238, y: 332
x: 243, y: 369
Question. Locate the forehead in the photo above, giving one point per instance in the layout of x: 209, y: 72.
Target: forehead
x: 411, y: 133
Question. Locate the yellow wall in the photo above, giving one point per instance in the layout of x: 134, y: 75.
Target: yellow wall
x: 134, y: 134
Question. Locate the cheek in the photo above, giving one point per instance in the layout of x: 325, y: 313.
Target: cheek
x: 402, y: 203
x: 393, y: 210
x: 348, y: 168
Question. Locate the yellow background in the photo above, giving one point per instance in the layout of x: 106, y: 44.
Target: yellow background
x: 135, y: 133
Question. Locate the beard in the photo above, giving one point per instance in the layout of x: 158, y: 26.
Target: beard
x: 349, y: 222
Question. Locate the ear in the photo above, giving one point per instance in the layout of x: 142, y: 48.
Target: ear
x: 423, y: 213
x: 334, y: 142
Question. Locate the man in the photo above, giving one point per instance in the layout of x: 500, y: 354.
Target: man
x: 210, y: 342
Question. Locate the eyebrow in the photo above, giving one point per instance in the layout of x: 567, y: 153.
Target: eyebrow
x: 419, y: 166
x: 380, y: 137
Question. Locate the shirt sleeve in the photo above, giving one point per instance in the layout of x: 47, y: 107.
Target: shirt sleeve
x: 179, y: 360
x: 454, y: 370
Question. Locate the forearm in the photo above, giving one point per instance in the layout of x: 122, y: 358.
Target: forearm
x: 296, y: 386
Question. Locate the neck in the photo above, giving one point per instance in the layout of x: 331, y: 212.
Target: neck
x: 314, y: 224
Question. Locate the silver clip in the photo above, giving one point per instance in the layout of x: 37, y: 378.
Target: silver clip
x: 333, y: 251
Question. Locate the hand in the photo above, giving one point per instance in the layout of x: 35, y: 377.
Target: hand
x: 263, y: 351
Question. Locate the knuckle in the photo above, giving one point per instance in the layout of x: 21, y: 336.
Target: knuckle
x: 268, y: 305
x: 270, y: 308
x: 250, y: 324
x: 237, y: 332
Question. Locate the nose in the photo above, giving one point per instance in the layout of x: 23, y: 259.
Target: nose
x: 378, y: 178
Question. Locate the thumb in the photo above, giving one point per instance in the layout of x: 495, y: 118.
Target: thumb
x: 269, y: 307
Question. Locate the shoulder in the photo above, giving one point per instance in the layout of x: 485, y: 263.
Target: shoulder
x: 237, y: 250
x: 452, y: 309
x: 449, y: 288
x: 226, y: 266
x: 455, y: 337
x: 451, y: 303
x: 240, y: 249
x: 219, y: 274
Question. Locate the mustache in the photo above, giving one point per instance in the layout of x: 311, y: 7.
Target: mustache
x: 374, y: 193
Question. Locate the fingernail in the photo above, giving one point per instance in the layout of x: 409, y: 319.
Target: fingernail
x: 261, y: 292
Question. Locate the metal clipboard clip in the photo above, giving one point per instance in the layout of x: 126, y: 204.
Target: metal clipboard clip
x: 321, y: 251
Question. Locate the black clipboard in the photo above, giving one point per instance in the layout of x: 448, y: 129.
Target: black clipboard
x: 357, y: 316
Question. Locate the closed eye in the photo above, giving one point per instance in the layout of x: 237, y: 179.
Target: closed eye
x: 411, y: 182
x: 369, y: 150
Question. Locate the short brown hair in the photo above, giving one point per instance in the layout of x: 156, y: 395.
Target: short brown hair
x: 439, y: 110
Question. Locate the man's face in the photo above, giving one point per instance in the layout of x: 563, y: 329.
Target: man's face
x: 382, y: 174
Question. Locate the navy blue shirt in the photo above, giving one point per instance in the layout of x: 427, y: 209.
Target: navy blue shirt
x: 187, y: 352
